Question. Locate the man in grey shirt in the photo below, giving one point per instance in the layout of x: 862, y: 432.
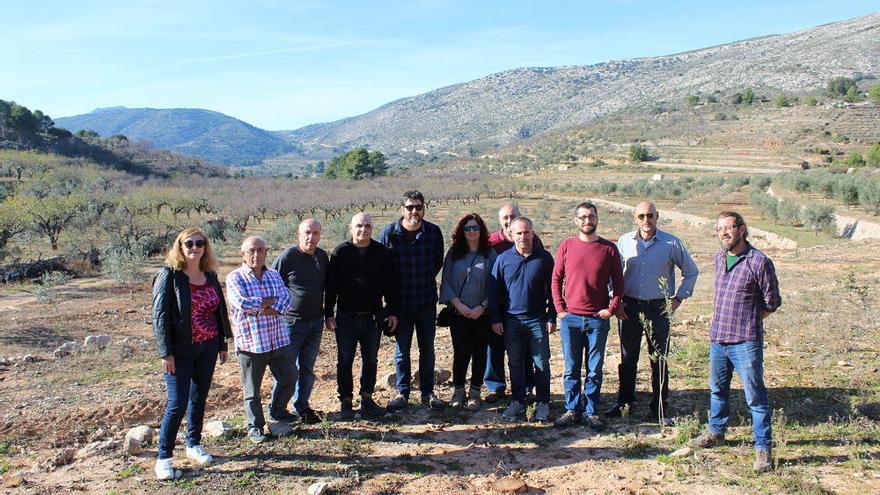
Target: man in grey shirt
x: 303, y: 269
x: 649, y: 257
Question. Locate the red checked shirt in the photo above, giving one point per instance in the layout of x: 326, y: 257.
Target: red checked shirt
x: 204, y: 303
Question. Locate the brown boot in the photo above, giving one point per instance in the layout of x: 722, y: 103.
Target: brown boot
x: 707, y: 439
x: 763, y: 461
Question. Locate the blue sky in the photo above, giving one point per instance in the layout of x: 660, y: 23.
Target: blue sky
x: 282, y: 65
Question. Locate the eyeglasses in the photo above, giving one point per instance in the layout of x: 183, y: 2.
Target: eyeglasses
x: 584, y: 218
x: 728, y: 228
x: 471, y: 228
x: 413, y: 207
x: 642, y: 216
x: 189, y: 243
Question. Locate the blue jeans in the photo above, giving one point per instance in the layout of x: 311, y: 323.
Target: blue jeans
x: 747, y: 358
x: 526, y: 339
x: 583, y: 336
x: 305, y: 342
x: 495, y: 376
x: 187, y: 393
x: 351, y: 330
x: 424, y: 322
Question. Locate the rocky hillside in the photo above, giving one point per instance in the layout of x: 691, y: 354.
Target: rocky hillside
x: 209, y: 135
x: 518, y: 104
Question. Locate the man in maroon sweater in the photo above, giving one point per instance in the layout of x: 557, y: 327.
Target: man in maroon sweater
x: 585, y: 267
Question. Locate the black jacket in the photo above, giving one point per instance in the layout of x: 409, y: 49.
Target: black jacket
x: 172, y: 314
x: 358, y: 283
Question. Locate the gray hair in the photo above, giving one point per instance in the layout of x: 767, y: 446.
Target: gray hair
x: 251, y: 240
x: 523, y: 219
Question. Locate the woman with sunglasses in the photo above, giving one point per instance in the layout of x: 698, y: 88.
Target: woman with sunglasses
x: 190, y: 326
x: 464, y: 286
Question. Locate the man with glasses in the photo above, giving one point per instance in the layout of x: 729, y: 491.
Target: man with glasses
x: 746, y: 292
x: 361, y: 274
x: 417, y: 252
x: 494, y: 378
x: 650, y: 257
x: 303, y: 267
x: 586, y: 265
x: 257, y: 299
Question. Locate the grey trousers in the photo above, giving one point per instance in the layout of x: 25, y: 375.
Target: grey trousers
x: 253, y: 367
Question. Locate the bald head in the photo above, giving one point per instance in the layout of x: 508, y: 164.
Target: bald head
x: 646, y: 216
x: 309, y: 234
x: 361, y: 228
x: 506, y: 214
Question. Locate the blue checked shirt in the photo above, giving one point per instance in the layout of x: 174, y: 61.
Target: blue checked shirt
x: 254, y: 332
x: 741, y: 295
x: 416, y: 264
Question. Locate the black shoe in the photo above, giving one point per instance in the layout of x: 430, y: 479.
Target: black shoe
x: 594, y: 423
x: 432, y: 401
x: 493, y: 397
x: 530, y: 398
x: 370, y: 409
x: 346, y: 412
x: 570, y: 418
x: 311, y: 417
x: 617, y: 410
x: 284, y: 417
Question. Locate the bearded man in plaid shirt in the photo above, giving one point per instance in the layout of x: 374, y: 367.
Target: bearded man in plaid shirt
x: 746, y: 292
x: 257, y: 299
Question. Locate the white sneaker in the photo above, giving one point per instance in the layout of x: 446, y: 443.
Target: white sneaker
x: 542, y: 412
x: 200, y: 455
x: 164, y: 471
x: 513, y: 410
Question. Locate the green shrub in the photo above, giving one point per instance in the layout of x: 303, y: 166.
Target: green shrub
x: 872, y: 158
x: 811, y: 101
x: 874, y: 93
x: 782, y: 101
x: 788, y: 212
x: 855, y: 159
x: 818, y: 217
x: 638, y: 153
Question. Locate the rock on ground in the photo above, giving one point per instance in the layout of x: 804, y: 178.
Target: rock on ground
x: 132, y: 446
x: 682, y: 452
x: 280, y: 429
x: 216, y: 429
x: 66, y: 349
x: 96, y: 342
x: 142, y: 433
x: 509, y: 485
x: 319, y: 488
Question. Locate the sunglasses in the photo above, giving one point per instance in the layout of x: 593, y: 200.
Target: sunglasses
x: 471, y: 228
x: 413, y: 207
x: 189, y: 243
x: 642, y: 216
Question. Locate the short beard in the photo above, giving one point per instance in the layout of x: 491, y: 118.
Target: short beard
x: 589, y: 229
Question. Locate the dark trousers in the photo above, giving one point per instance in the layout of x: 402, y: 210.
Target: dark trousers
x: 470, y: 338
x: 495, y: 375
x: 630, y: 332
x: 187, y: 393
x: 352, y: 330
x: 422, y: 323
x: 252, y: 368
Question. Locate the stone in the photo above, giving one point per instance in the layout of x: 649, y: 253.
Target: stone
x: 216, y: 429
x: 682, y: 452
x: 134, y: 343
x: 509, y: 485
x: 440, y: 376
x: 844, y: 364
x: 319, y: 488
x: 132, y: 446
x: 143, y: 434
x: 65, y: 456
x: 13, y: 481
x: 66, y: 349
x: 279, y: 429
x: 389, y: 381
x: 99, y: 434
x: 96, y: 342
x: 93, y: 448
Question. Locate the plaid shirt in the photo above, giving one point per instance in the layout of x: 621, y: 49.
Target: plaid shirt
x: 416, y: 264
x: 741, y: 295
x: 254, y: 332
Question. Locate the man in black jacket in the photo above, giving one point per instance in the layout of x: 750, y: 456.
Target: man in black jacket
x: 360, y: 275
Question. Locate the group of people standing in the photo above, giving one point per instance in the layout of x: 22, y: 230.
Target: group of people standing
x: 504, y: 294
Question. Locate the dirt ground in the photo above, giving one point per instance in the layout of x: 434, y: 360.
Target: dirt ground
x: 821, y: 359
